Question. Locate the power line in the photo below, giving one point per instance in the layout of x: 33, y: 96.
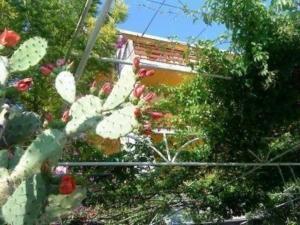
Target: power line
x: 166, y: 4
x: 185, y: 164
x: 153, y: 17
x: 149, y: 24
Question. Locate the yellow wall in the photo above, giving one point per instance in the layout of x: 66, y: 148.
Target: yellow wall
x: 167, y: 77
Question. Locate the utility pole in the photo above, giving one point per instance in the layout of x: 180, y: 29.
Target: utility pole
x: 92, y: 38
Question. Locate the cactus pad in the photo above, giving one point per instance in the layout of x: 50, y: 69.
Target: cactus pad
x: 21, y: 126
x: 26, y: 203
x: 4, y: 158
x: 3, y: 70
x: 60, y: 205
x: 28, y: 54
x: 118, y: 124
x: 122, y: 88
x: 85, y: 113
x: 47, y: 146
x: 18, y: 152
x: 65, y: 86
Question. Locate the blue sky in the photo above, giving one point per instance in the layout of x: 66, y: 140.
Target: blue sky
x: 170, y: 21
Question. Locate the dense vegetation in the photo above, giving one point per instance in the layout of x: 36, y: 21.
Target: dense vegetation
x: 253, y: 117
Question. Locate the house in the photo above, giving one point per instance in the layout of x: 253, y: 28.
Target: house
x: 169, y: 58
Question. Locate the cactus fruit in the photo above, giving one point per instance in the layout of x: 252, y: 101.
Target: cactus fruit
x: 118, y: 124
x: 21, y: 126
x: 122, y: 88
x: 85, y: 112
x: 28, y: 54
x: 3, y: 70
x: 65, y: 86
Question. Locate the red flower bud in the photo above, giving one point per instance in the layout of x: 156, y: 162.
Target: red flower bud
x: 138, y: 90
x: 156, y: 115
x: 150, y: 73
x: 149, y: 97
x: 106, y: 88
x: 147, y: 128
x: 145, y: 73
x: 94, y: 84
x: 137, y: 112
x: 48, y: 116
x: 23, y: 85
x: 67, y: 185
x: 142, y: 72
x: 136, y: 63
x: 9, y: 38
x: 66, y: 116
x: 47, y: 69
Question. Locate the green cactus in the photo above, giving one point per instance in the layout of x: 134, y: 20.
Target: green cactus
x: 20, y: 127
x: 60, y: 205
x: 25, y: 196
x: 122, y: 89
x: 3, y: 70
x: 85, y: 112
x: 3, y: 163
x: 18, y: 152
x: 4, y: 158
x: 47, y: 146
x: 118, y: 124
x: 65, y: 86
x: 26, y: 204
x: 28, y: 54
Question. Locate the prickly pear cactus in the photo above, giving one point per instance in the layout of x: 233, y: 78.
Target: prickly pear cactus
x: 65, y: 86
x: 60, y: 205
x: 25, y: 205
x: 47, y: 146
x: 28, y: 54
x: 20, y: 127
x: 118, y: 124
x: 85, y: 113
x: 122, y: 89
x: 26, y: 185
x: 3, y: 69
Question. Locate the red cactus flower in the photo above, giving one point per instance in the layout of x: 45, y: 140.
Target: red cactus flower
x: 137, y: 113
x: 67, y: 185
x: 66, y: 116
x: 9, y: 38
x: 47, y: 69
x: 147, y: 128
x: 156, y: 115
x: 138, y: 90
x: 24, y: 84
x: 106, y: 88
x: 149, y: 97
